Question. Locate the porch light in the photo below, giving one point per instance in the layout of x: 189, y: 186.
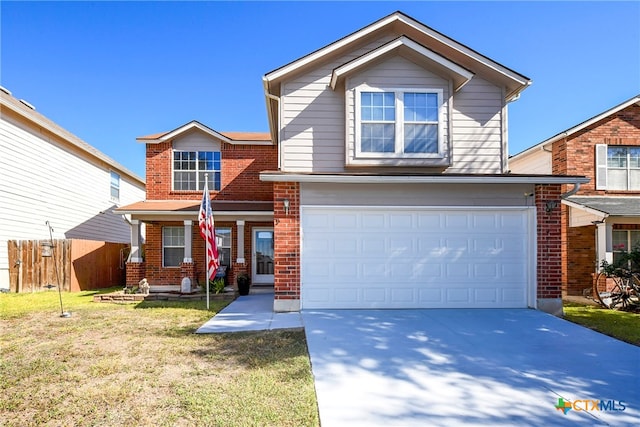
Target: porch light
x: 285, y: 204
x: 551, y: 205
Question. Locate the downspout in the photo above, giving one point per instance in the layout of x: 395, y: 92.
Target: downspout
x: 574, y: 190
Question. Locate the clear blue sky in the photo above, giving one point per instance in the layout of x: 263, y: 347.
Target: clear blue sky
x: 111, y: 71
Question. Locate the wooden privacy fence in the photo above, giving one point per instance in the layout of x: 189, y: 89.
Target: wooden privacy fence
x: 82, y: 265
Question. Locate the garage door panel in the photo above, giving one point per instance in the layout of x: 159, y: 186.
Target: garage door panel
x: 414, y: 257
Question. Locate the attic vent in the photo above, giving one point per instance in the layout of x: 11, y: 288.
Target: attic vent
x: 5, y: 90
x: 27, y: 104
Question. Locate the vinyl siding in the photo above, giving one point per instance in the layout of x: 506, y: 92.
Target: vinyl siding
x: 477, y: 128
x: 318, y: 122
x: 533, y: 163
x: 396, y: 72
x: 313, y: 116
x: 322, y: 194
x: 46, y: 179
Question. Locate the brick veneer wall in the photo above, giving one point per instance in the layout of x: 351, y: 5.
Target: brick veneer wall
x: 549, y: 242
x: 575, y: 155
x: 241, y: 167
x: 287, y: 241
x: 240, y: 180
x: 158, y: 275
x: 135, y: 272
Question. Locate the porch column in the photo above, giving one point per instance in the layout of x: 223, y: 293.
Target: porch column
x: 135, y: 256
x: 240, y: 242
x: 187, y: 241
x: 604, y: 239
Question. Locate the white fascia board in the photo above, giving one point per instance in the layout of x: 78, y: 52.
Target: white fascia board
x: 467, y: 51
x: 592, y: 211
x: 421, y: 179
x: 281, y: 72
x: 140, y: 214
x: 350, y: 66
x: 197, y: 125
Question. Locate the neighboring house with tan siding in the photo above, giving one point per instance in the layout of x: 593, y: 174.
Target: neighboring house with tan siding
x: 603, y: 217
x: 49, y: 174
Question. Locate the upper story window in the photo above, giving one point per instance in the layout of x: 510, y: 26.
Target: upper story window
x: 115, y: 187
x: 189, y: 168
x: 399, y: 123
x: 623, y: 168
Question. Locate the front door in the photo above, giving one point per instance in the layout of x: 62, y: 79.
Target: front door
x: 262, y: 264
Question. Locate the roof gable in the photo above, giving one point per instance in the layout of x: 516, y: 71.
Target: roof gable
x: 402, y: 24
x: 248, y: 138
x: 568, y: 132
x: 411, y: 50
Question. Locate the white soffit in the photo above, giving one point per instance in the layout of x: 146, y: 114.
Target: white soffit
x: 460, y: 75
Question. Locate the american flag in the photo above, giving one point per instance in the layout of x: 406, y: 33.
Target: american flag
x: 207, y: 231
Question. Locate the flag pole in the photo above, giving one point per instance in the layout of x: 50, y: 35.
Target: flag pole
x: 206, y: 252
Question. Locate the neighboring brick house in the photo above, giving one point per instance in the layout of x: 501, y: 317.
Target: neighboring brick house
x: 242, y: 205
x: 393, y: 189
x: 603, y: 217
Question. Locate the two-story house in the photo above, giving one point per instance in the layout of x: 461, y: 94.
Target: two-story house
x: 603, y: 218
x: 49, y: 174
x: 392, y: 189
x: 383, y: 184
x: 176, y: 164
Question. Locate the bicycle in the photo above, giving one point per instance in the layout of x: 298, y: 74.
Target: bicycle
x: 617, y: 287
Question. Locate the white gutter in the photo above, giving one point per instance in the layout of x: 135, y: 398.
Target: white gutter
x: 421, y: 179
x: 191, y: 213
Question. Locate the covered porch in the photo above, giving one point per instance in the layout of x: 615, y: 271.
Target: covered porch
x: 173, y: 249
x: 598, y: 229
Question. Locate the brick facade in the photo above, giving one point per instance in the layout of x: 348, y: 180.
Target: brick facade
x: 241, y: 165
x: 287, y: 241
x: 549, y: 256
x: 575, y: 155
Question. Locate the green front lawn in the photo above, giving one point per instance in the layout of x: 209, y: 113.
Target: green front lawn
x: 623, y: 325
x: 141, y: 364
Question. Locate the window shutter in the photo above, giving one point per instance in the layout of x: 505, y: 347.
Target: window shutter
x: 601, y: 166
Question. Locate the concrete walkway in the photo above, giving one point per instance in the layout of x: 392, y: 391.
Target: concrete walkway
x: 253, y: 312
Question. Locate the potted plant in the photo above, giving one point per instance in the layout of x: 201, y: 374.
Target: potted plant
x: 244, y: 283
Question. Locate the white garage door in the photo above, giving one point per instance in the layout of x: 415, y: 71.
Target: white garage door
x: 367, y: 257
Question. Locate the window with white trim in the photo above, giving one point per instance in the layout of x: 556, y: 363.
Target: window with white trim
x: 617, y: 167
x: 189, y: 168
x: 114, y: 187
x: 624, y: 241
x: 400, y: 123
x: 172, y: 246
x: 223, y: 240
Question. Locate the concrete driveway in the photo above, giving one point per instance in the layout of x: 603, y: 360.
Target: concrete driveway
x: 468, y: 367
